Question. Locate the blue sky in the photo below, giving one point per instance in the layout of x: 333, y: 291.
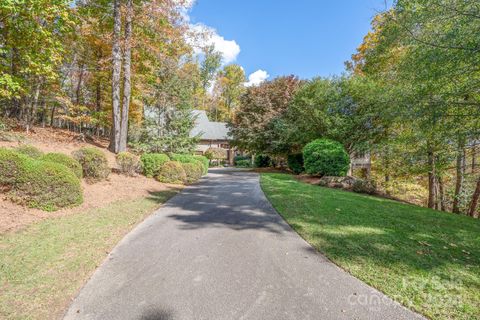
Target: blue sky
x: 305, y: 37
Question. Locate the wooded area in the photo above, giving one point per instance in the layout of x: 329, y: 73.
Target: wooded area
x: 113, y: 68
x: 410, y: 99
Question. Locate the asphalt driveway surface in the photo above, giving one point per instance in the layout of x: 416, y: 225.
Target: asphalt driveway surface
x: 218, y: 250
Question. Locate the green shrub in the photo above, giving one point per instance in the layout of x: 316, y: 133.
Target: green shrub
x: 216, y: 153
x: 243, y: 163
x: 152, y: 162
x: 30, y: 151
x: 172, y: 172
x: 65, y: 160
x: 262, y: 161
x: 188, y: 158
x: 193, y: 171
x: 205, y: 163
x: 326, y: 157
x: 183, y: 158
x: 94, y: 163
x: 364, y: 186
x: 240, y: 158
x: 128, y: 163
x: 12, y: 165
x: 295, y: 163
x: 48, y: 186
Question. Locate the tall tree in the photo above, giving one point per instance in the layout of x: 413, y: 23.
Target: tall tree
x: 116, y: 72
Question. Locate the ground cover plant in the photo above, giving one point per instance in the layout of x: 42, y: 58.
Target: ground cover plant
x: 426, y: 259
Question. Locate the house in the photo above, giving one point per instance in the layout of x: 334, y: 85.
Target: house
x: 211, y: 134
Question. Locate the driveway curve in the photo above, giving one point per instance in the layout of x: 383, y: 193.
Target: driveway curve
x: 218, y: 250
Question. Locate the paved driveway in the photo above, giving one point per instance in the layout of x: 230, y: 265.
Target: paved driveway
x: 219, y: 251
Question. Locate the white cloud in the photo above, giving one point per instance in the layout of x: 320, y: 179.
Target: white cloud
x: 256, y: 78
x: 206, y: 36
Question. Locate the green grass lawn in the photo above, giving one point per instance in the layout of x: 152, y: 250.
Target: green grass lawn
x: 425, y: 259
x: 43, y: 266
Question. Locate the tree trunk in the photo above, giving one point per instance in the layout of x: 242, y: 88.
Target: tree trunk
x: 459, y: 178
x: 474, y: 202
x: 116, y: 70
x: 33, y: 109
x: 441, y: 190
x: 431, y: 179
x: 79, y: 84
x: 52, y: 116
x: 126, y: 76
x: 474, y: 158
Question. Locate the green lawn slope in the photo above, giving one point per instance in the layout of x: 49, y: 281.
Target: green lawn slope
x: 425, y: 259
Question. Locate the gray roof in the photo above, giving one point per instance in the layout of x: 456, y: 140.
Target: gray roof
x: 206, y: 129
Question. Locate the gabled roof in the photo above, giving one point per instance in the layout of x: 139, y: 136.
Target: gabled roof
x: 206, y: 129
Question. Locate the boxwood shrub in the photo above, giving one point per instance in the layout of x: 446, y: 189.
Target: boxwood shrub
x: 189, y: 158
x: 152, y: 162
x: 205, y: 163
x: 326, y: 157
x: 295, y: 163
x: 30, y: 151
x: 243, y: 163
x: 262, y: 161
x: 12, y: 165
x: 67, y: 161
x: 47, y: 185
x: 172, y: 172
x: 193, y: 171
x: 128, y: 163
x: 94, y: 163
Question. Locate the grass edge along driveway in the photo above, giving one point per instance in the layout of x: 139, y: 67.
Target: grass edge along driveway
x: 425, y: 259
x: 43, y: 266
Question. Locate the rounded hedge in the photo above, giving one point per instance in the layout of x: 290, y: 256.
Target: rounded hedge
x: 128, y: 163
x: 189, y: 158
x: 326, y: 157
x: 295, y: 163
x: 152, y: 162
x: 193, y: 171
x: 65, y: 160
x: 172, y: 172
x: 262, y: 161
x: 243, y: 163
x: 94, y: 163
x: 48, y: 186
x: 12, y: 165
x: 205, y: 163
x: 29, y: 150
x: 241, y: 158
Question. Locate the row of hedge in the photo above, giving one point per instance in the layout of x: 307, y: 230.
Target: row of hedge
x: 49, y: 181
x: 52, y: 181
x: 176, y: 168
